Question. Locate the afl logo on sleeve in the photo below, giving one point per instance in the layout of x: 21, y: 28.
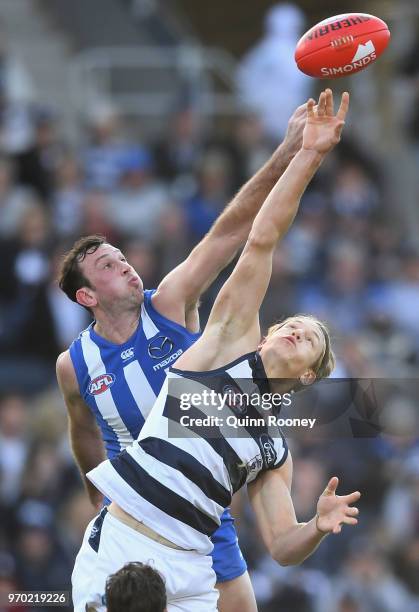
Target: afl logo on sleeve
x: 268, y: 451
x: 160, y: 347
x: 101, y: 383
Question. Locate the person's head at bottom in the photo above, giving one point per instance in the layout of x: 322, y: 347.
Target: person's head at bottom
x: 136, y: 587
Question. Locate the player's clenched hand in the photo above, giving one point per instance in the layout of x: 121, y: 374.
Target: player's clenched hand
x: 323, y: 128
x: 333, y: 510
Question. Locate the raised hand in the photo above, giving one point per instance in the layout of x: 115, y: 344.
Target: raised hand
x: 323, y: 128
x: 294, y: 136
x: 333, y: 510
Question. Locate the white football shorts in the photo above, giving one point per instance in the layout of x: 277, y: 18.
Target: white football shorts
x: 108, y: 544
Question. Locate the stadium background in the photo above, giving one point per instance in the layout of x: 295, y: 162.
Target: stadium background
x: 147, y: 145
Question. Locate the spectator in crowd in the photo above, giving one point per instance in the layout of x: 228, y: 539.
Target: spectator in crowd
x: 14, y: 199
x: 67, y: 197
x: 107, y: 148
x: 213, y: 191
x: 14, y: 431
x: 269, y: 82
x: 137, y: 206
x: 36, y: 164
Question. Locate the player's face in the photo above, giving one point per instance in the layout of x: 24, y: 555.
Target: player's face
x: 111, y: 277
x: 295, y: 347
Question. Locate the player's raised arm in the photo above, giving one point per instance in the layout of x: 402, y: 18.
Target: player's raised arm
x: 181, y: 289
x: 288, y: 541
x: 237, y: 305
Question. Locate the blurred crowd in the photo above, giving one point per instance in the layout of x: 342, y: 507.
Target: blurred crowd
x: 344, y: 260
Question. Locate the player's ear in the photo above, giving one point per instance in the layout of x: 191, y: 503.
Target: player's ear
x: 308, y: 378
x: 261, y: 343
x: 86, y: 297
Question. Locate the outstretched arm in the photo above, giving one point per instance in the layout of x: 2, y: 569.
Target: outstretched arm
x: 237, y: 305
x: 288, y: 541
x: 180, y: 290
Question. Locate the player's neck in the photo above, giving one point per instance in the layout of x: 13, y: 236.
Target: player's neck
x: 280, y: 379
x: 116, y: 328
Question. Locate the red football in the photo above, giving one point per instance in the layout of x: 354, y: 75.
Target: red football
x: 341, y: 45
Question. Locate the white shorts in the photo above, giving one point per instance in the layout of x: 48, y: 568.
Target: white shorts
x: 189, y: 576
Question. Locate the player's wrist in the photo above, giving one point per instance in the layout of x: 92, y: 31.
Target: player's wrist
x: 281, y: 159
x: 311, y: 156
x: 321, y: 531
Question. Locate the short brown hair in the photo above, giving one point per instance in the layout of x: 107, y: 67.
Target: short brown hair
x: 70, y: 277
x: 325, y: 365
x: 136, y: 587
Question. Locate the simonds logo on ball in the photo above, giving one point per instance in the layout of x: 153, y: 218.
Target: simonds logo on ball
x: 365, y: 54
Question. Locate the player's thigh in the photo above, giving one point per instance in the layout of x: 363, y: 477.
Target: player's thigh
x: 237, y: 595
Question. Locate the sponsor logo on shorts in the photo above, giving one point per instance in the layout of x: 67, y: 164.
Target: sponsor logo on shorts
x: 101, y: 383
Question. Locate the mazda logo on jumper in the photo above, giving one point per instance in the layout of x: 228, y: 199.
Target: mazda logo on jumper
x: 160, y: 347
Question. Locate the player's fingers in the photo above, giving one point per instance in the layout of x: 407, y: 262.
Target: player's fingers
x: 332, y: 485
x: 329, y: 103
x: 351, y: 498
x: 310, y: 108
x: 344, y: 105
x: 321, y: 110
x: 301, y: 110
x: 352, y: 512
x: 337, y: 529
x: 348, y: 520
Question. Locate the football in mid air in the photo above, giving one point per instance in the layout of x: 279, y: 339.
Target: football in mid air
x: 341, y: 45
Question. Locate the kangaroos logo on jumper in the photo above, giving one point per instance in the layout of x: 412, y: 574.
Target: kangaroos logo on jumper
x: 101, y: 383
